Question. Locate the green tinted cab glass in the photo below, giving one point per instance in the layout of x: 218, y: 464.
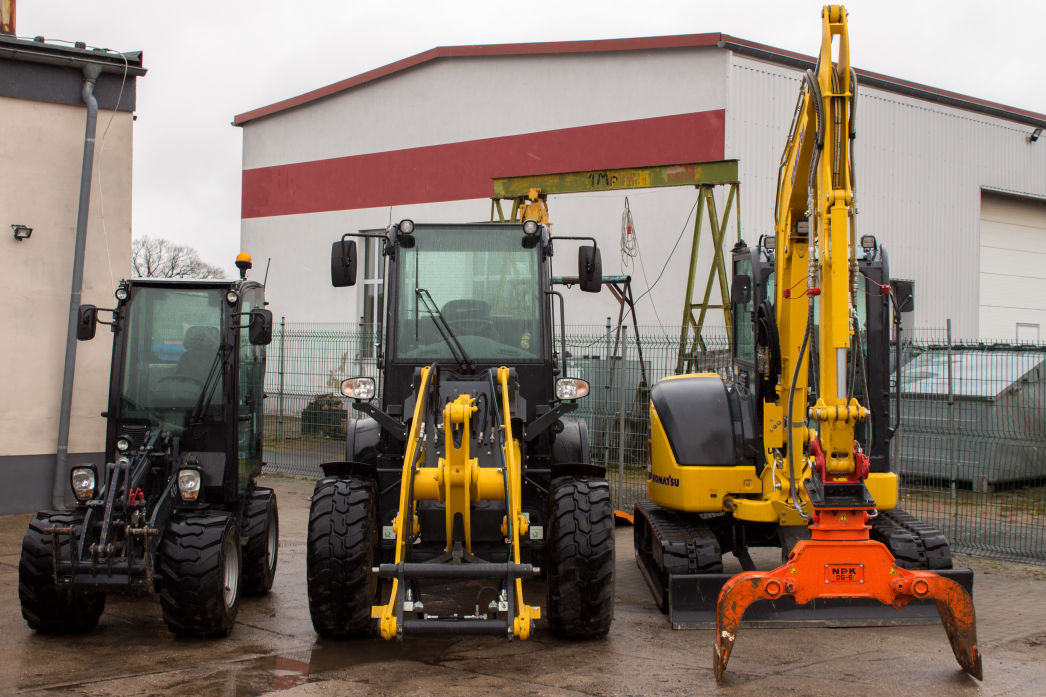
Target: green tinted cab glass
x: 483, y: 282
x: 171, y: 361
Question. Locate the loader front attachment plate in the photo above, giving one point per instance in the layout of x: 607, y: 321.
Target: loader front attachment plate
x: 838, y: 563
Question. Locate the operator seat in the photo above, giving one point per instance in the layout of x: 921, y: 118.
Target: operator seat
x: 470, y: 317
x: 201, y: 346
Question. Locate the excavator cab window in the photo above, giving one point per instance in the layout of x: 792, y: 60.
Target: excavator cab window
x: 743, y: 301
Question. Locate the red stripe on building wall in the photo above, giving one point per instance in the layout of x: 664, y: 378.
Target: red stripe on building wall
x: 459, y: 171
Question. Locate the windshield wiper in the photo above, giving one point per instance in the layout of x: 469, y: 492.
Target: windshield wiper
x: 458, y: 351
x: 207, y: 391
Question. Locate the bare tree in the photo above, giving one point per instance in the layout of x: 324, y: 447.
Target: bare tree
x: 158, y: 258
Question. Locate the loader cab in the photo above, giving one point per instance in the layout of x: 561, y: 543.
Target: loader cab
x: 469, y: 297
x: 189, y: 358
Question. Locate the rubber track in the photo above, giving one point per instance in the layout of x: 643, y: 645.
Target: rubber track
x: 581, y: 558
x: 687, y: 545
x: 189, y: 573
x: 340, y: 557
x: 257, y: 576
x: 915, y: 544
x: 45, y: 608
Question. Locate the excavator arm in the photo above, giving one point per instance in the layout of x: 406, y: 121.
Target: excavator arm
x: 818, y: 282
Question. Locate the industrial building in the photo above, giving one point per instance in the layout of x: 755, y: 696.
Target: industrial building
x: 952, y: 185
x: 42, y: 107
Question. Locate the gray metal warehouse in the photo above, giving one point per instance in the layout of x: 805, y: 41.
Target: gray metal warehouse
x: 952, y: 185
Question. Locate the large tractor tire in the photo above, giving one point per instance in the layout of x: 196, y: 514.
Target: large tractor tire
x: 262, y: 528
x: 580, y: 557
x: 45, y: 607
x: 199, y: 567
x: 342, y: 534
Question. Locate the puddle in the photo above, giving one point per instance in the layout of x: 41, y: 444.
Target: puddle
x: 287, y: 670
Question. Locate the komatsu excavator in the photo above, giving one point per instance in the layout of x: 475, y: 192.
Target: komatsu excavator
x: 793, y: 450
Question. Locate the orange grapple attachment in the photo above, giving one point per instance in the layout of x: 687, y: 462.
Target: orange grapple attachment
x: 830, y: 566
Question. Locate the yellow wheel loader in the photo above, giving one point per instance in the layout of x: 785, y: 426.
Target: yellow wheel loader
x: 464, y: 475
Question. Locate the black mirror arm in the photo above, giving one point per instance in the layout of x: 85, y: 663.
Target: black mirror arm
x: 541, y: 424
x: 368, y: 235
x: 110, y: 323
x: 394, y: 427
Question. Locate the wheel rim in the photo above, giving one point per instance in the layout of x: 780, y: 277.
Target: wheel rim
x: 230, y: 575
x: 271, y: 543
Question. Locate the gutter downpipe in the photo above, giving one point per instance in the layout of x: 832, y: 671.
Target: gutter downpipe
x: 91, y: 73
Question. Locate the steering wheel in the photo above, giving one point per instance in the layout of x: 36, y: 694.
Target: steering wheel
x: 474, y: 327
x: 181, y: 378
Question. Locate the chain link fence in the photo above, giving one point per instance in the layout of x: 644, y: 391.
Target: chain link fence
x: 971, y: 452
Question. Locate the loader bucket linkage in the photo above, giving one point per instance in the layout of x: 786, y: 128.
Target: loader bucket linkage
x: 458, y: 481
x: 840, y: 561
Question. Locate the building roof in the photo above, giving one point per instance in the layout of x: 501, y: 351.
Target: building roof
x: 712, y: 40
x: 49, y: 72
x: 37, y: 50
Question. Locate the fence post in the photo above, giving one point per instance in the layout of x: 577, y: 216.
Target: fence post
x: 621, y: 418
x: 604, y: 417
x: 279, y: 418
x: 953, y: 435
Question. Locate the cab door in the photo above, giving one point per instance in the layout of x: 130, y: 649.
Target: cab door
x: 250, y: 393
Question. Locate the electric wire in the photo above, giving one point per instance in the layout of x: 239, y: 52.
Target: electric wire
x: 101, y: 145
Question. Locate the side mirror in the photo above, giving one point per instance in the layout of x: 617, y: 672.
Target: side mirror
x: 343, y: 263
x: 259, y: 328
x: 741, y: 289
x: 589, y: 269
x: 86, y: 322
x: 904, y: 293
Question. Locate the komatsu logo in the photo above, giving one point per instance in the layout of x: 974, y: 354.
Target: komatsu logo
x: 667, y: 481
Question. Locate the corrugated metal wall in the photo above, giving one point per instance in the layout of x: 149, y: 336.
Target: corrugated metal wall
x: 920, y: 170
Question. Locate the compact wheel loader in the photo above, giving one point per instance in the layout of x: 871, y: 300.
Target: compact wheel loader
x: 175, y: 509
x: 466, y: 476
x: 793, y: 450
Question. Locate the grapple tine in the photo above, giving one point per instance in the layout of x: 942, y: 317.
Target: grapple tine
x: 957, y: 615
x: 735, y: 597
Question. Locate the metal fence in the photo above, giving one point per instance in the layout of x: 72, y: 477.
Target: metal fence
x: 971, y: 453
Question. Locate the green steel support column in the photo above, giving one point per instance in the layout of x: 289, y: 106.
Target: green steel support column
x: 718, y: 235
x: 688, y: 315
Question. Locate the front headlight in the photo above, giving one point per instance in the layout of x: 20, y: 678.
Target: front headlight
x: 358, y: 388
x: 189, y: 482
x: 571, y: 388
x: 82, y: 479
x: 123, y: 444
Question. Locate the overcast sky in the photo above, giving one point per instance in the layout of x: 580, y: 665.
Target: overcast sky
x: 209, y: 61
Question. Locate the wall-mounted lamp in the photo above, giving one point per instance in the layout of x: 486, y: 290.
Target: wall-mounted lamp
x: 22, y: 232
x: 1035, y: 135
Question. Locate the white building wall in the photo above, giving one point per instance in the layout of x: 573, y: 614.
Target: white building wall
x: 460, y: 99
x: 920, y: 169
x: 463, y: 99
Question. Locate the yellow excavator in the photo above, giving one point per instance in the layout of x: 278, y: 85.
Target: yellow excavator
x: 793, y: 449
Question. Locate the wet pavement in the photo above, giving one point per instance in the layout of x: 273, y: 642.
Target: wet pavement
x: 274, y: 651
